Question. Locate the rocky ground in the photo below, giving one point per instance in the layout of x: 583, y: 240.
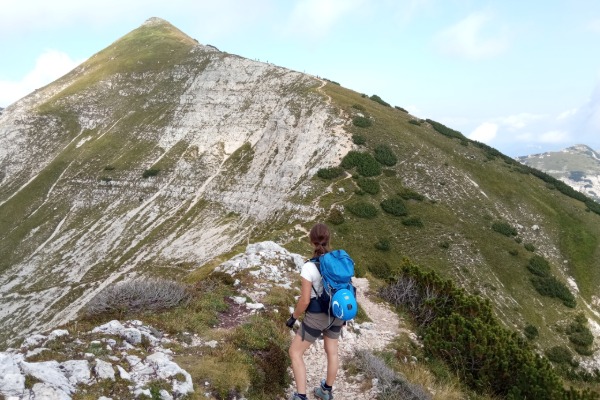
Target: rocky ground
x: 59, y: 364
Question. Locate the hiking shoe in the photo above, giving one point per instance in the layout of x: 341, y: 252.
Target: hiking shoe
x: 323, y: 393
x: 296, y: 397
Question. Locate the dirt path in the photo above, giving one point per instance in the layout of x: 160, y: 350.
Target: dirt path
x: 372, y: 336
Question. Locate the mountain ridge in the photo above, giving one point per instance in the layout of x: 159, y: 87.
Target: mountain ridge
x: 219, y: 133
x: 121, y: 170
x: 578, y: 166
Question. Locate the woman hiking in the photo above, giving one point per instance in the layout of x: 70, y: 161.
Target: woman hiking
x: 315, y: 322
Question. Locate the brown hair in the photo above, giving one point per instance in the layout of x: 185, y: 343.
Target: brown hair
x: 319, y: 237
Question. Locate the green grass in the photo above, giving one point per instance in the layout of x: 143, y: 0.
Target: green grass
x: 458, y: 221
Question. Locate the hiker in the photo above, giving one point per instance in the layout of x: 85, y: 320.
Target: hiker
x: 316, y: 321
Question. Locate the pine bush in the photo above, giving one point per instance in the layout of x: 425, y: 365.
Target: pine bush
x: 370, y: 186
x: 383, y: 245
x: 394, y: 206
x: 336, y: 217
x: 385, y: 155
x: 549, y: 286
x: 461, y: 330
x: 365, y: 164
x: 330, y: 173
x: 362, y: 122
x: 362, y: 209
x: 531, y: 332
x: 538, y: 266
x: 529, y: 247
x: 412, y: 221
x: 379, y: 100
x: 504, y: 228
x: 359, y: 139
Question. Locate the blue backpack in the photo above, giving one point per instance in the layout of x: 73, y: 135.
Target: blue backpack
x: 339, y: 295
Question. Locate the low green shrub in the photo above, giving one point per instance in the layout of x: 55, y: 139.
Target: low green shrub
x: 444, y: 130
x: 394, y: 206
x: 385, y: 155
x: 415, y: 122
x: 531, y: 332
x: 412, y: 221
x: 549, y: 286
x: 529, y: 247
x: 365, y: 164
x: 330, y: 173
x: 401, y: 109
x: 370, y: 186
x: 579, y: 334
x: 359, y: 107
x: 513, y: 252
x: 361, y: 122
x: 383, y: 245
x: 362, y: 209
x: 336, y: 217
x: 504, y: 228
x: 150, y: 172
x: 559, y: 355
x: 380, y: 269
x: 462, y: 331
x: 444, y: 244
x: 538, y: 265
x: 359, y: 139
x: 379, y: 100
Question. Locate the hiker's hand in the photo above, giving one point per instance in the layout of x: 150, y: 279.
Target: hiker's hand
x: 290, y: 322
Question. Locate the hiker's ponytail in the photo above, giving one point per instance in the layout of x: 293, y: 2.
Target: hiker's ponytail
x: 319, y: 237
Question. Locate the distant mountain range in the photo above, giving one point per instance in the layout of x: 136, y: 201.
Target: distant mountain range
x: 578, y: 166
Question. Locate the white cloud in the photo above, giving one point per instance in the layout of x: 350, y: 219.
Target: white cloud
x: 554, y: 137
x: 474, y: 37
x: 50, y: 65
x: 484, y: 133
x: 567, y: 114
x: 315, y: 18
x: 520, y: 121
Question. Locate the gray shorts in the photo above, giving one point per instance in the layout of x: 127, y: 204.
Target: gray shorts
x: 315, y: 324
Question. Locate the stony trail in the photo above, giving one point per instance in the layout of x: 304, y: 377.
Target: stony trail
x: 371, y: 336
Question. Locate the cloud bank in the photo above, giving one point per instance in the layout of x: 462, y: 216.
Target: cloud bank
x: 49, y: 66
x: 474, y: 37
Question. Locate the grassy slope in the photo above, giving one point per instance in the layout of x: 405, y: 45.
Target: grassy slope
x: 141, y: 56
x: 466, y: 222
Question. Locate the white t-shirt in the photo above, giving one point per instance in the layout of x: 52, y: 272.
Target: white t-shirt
x: 311, y: 273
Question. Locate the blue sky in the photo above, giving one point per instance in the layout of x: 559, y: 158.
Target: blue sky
x: 521, y: 76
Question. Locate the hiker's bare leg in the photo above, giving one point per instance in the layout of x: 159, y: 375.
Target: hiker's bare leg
x: 331, y: 349
x: 297, y: 349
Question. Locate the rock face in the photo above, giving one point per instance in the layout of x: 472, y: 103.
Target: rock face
x: 153, y: 152
x: 60, y: 380
x: 578, y: 166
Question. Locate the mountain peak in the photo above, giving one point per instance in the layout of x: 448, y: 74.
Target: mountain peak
x: 156, y: 21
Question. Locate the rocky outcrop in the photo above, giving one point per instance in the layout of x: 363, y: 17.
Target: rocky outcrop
x: 97, y: 357
x: 233, y: 144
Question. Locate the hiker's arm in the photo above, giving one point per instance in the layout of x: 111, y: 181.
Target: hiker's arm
x: 304, y: 299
